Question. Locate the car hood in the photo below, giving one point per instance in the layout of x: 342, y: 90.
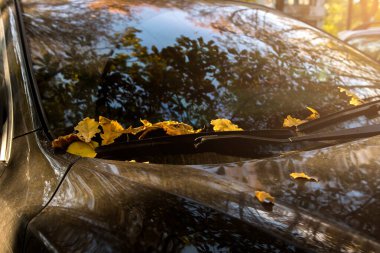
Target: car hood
x: 336, y: 213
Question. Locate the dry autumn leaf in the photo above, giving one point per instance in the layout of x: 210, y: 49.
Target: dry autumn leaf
x: 264, y: 197
x: 83, y: 149
x: 170, y: 128
x: 290, y: 121
x: 221, y: 125
x: 111, y: 130
x: 177, y: 128
x: 87, y: 129
x: 314, y: 114
x: 355, y: 100
x: 63, y: 141
x: 301, y: 175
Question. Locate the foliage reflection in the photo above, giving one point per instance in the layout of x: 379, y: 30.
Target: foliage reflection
x: 186, y: 61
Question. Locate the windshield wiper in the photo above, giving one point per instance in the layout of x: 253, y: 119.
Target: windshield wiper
x: 364, y: 109
x: 179, y: 144
x: 352, y: 133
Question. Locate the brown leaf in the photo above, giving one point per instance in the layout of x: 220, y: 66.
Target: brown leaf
x: 63, y: 141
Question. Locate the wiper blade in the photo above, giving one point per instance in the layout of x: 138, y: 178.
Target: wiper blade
x: 179, y: 144
x: 364, y: 109
x: 352, y: 133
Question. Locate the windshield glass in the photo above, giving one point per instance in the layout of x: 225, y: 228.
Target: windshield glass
x: 189, y: 61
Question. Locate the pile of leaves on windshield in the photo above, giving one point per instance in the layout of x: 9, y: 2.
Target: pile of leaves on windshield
x: 82, y: 141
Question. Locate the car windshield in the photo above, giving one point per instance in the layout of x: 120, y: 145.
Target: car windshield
x: 188, y: 61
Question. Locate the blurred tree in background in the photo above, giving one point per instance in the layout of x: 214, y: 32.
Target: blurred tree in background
x: 339, y: 17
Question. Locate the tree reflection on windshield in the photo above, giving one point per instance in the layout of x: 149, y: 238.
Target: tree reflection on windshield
x: 187, y: 61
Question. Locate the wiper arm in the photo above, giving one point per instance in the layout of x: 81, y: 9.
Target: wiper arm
x: 352, y: 133
x: 367, y: 108
x: 258, y: 143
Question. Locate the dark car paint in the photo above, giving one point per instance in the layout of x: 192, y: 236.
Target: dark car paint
x: 105, y: 195
x: 105, y: 205
x: 29, y: 179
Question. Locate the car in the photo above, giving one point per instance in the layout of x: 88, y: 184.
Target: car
x: 365, y: 38
x: 188, y: 61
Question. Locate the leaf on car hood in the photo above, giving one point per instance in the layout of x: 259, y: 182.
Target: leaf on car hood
x: 355, y: 100
x: 63, y: 141
x: 87, y: 129
x: 83, y: 149
x: 221, y: 125
x: 264, y: 197
x: 111, y: 130
x: 302, y: 175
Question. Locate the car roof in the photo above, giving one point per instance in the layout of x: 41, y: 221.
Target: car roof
x: 351, y: 34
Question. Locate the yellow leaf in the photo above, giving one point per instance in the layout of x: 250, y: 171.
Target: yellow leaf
x: 314, y: 114
x: 83, y: 149
x: 301, y: 175
x: 264, y: 197
x: 355, y: 100
x: 63, y: 141
x: 221, y: 125
x: 87, y: 129
x: 290, y: 121
x: 111, y: 130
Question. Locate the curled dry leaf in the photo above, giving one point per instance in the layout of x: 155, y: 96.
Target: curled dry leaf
x: 111, y: 130
x: 170, y: 127
x: 355, y: 100
x: 301, y: 175
x: 221, y: 125
x: 63, y: 141
x: 87, y: 129
x: 83, y: 149
x: 264, y: 197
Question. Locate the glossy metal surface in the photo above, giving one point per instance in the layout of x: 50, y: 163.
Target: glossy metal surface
x: 31, y: 175
x: 336, y: 214
x: 190, y: 61
x: 27, y: 183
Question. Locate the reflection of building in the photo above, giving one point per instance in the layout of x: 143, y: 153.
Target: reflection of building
x: 310, y: 11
